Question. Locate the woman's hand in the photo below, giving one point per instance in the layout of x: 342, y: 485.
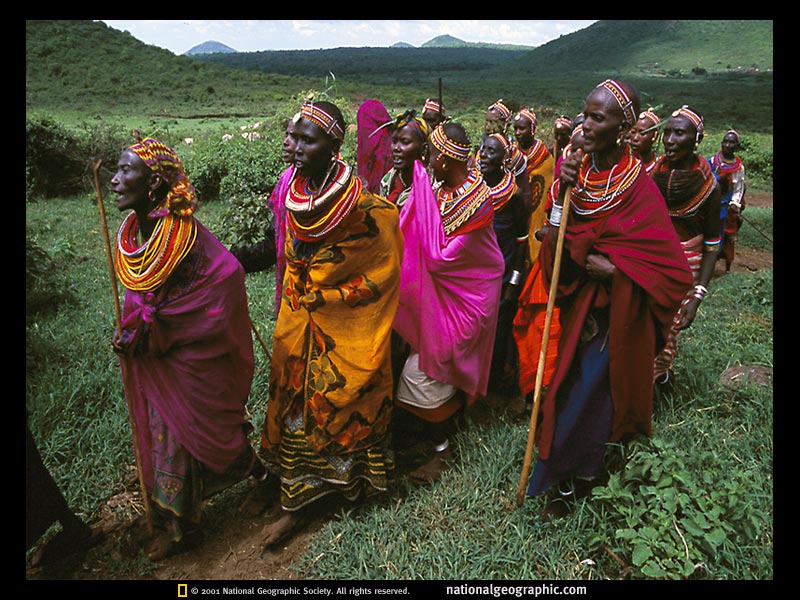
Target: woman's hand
x: 599, y: 267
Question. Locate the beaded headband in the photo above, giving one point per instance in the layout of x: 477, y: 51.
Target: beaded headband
x: 622, y: 98
x: 433, y: 105
x: 530, y: 115
x: 697, y: 120
x: 160, y: 158
x: 563, y: 123
x: 503, y: 141
x: 447, y: 146
x: 321, y: 118
x: 650, y: 116
x: 734, y: 132
x: 501, y: 108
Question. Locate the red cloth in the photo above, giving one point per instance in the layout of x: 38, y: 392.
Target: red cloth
x: 651, y: 279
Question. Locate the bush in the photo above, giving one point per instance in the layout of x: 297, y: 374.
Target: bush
x: 52, y: 159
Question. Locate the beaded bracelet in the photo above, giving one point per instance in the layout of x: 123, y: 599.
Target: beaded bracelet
x: 555, y: 215
x: 700, y: 292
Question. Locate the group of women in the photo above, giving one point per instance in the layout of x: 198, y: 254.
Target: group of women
x: 404, y: 297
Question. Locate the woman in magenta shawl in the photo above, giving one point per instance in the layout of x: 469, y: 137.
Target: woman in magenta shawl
x: 623, y: 276
x: 185, y: 346
x: 374, y: 144
x: 449, y: 290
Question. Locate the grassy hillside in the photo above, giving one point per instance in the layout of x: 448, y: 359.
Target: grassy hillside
x: 87, y: 68
x: 657, y: 47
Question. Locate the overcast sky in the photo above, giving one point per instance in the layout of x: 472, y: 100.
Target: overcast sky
x: 252, y: 36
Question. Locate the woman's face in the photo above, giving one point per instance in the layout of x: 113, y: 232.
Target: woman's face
x: 131, y: 182
x: 730, y: 144
x: 492, y: 155
x: 314, y: 150
x: 523, y: 132
x: 640, y: 139
x: 289, y: 144
x: 494, y: 123
x: 603, y: 123
x: 407, y: 147
x: 680, y: 136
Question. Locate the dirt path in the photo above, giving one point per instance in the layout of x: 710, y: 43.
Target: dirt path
x: 230, y: 546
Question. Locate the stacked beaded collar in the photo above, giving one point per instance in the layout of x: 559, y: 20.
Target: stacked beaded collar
x: 466, y: 207
x: 313, y: 215
x: 145, y: 268
x: 503, y: 191
x: 684, y: 190
x: 596, y: 191
x: 447, y: 146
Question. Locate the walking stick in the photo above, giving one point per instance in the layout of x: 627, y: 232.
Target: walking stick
x: 551, y: 300
x: 118, y: 320
x: 260, y: 341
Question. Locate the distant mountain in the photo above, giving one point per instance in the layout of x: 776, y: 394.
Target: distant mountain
x: 444, y: 41
x: 402, y: 45
x: 448, y: 41
x: 210, y: 47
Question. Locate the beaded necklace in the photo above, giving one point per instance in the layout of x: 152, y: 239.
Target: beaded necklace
x: 458, y: 206
x: 145, y: 267
x: 312, y: 216
x: 503, y: 191
x: 599, y: 191
x: 684, y: 190
x: 535, y: 154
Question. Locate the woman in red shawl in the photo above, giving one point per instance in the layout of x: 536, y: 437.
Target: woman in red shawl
x: 185, y: 344
x: 623, y: 276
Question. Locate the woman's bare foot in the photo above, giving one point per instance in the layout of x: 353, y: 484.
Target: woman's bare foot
x: 432, y: 470
x: 287, y: 524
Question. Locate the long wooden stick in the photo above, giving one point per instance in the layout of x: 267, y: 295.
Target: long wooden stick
x: 537, y: 394
x: 260, y: 341
x: 118, y: 320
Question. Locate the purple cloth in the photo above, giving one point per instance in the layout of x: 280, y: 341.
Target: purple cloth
x: 374, y: 149
x: 278, y: 202
x: 449, y: 292
x: 190, y: 356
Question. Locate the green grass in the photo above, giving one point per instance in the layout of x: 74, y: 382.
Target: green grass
x: 707, y: 473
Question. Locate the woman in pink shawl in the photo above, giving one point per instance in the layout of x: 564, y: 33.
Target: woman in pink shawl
x: 185, y: 346
x: 449, y: 290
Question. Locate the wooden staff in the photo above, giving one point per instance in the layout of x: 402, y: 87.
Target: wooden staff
x: 551, y: 300
x: 118, y: 319
x: 260, y: 341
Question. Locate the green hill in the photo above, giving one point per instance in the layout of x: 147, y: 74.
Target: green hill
x: 657, y: 47
x: 723, y: 67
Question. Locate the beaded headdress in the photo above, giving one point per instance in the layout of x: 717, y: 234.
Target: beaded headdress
x: 503, y: 141
x: 322, y: 119
x: 433, y: 106
x: 502, y: 109
x: 623, y: 99
x: 736, y: 133
x: 447, y: 146
x: 697, y: 120
x: 161, y: 159
x: 530, y: 115
x: 563, y: 123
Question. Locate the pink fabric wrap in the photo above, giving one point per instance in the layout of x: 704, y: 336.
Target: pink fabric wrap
x: 374, y: 150
x: 191, y: 356
x: 278, y: 200
x: 449, y: 292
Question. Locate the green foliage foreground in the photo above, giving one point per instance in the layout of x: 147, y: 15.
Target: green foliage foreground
x: 693, y: 502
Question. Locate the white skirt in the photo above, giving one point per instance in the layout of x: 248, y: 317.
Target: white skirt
x: 415, y: 388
